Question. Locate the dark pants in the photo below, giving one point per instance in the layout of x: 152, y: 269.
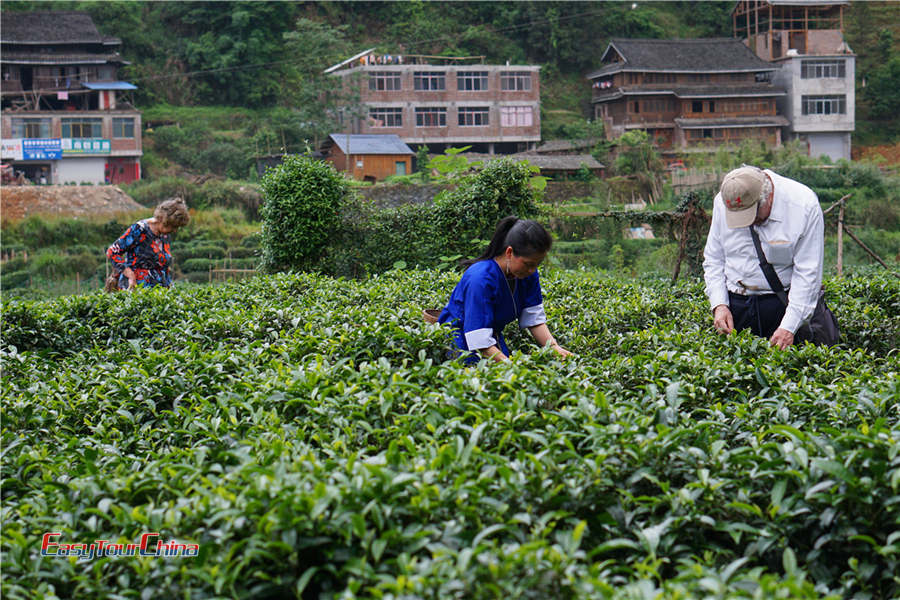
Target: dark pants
x: 760, y: 314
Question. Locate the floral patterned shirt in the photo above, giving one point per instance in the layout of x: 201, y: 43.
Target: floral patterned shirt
x: 145, y: 253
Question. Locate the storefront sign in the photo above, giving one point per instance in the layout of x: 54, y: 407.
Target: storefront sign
x: 85, y: 146
x: 11, y: 149
x: 41, y: 149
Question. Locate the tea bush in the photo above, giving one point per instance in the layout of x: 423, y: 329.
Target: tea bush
x: 311, y: 436
x: 303, y: 198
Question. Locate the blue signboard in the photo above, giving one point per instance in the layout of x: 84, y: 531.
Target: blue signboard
x: 41, y: 149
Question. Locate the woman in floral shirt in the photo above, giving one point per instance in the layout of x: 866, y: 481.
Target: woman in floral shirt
x: 142, y: 256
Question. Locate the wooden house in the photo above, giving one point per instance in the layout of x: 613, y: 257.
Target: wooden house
x: 368, y: 157
x: 693, y: 93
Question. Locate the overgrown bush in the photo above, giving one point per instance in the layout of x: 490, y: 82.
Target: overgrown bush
x: 303, y: 199
x: 372, y: 240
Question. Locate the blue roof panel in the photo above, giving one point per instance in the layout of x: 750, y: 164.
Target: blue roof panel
x: 109, y: 85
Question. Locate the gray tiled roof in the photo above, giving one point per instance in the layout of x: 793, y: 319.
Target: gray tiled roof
x: 371, y: 143
x: 712, y: 55
x: 50, y: 27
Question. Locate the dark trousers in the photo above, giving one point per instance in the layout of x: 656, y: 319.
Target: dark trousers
x: 760, y: 314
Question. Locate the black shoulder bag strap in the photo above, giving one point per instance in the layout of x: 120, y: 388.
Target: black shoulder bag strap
x: 767, y: 268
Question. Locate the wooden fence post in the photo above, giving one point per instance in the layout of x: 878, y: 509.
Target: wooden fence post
x: 840, y: 240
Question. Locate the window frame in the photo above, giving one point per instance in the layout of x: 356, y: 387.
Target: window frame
x: 473, y: 114
x: 23, y: 127
x: 812, y: 68
x: 515, y: 116
x: 515, y: 81
x: 390, y: 81
x: 431, y: 113
x: 392, y: 116
x: 478, y: 80
x: 427, y: 81
x: 81, y: 123
x: 119, y: 121
x: 830, y: 104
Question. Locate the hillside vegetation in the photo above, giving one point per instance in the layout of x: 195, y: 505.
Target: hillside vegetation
x: 266, y: 58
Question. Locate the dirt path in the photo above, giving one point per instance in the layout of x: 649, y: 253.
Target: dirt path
x: 18, y: 202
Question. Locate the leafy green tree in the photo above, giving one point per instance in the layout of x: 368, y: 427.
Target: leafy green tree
x: 636, y: 154
x: 236, y: 47
x: 314, y: 96
x: 882, y: 91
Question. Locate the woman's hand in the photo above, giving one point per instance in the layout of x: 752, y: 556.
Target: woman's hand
x: 541, y: 334
x: 130, y: 276
x: 560, y: 350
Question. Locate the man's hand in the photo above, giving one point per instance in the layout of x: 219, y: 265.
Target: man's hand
x: 722, y: 319
x: 782, y: 338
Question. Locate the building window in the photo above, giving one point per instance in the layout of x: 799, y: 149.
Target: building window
x: 712, y: 106
x: 473, y: 116
x: 818, y: 69
x: 516, y: 116
x: 824, y: 105
x: 697, y: 106
x: 123, y: 128
x: 388, y: 81
x: 515, y: 81
x: 31, y: 128
x: 429, y: 80
x: 472, y: 81
x: 84, y: 127
x: 658, y: 105
x: 386, y: 117
x: 431, y: 117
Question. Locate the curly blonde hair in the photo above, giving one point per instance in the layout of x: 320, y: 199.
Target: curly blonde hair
x: 172, y: 213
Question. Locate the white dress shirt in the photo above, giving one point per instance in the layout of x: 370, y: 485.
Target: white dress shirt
x: 793, y: 240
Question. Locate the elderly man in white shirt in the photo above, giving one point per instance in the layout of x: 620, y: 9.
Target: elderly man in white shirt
x: 787, y: 216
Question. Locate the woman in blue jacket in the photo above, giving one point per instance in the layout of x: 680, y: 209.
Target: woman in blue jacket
x: 498, y: 287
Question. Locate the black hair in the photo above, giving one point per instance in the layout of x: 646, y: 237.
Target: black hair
x: 526, y: 237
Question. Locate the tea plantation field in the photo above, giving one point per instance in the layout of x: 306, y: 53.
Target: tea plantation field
x: 308, y: 435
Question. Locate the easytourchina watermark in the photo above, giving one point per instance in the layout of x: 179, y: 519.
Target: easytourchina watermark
x: 148, y: 545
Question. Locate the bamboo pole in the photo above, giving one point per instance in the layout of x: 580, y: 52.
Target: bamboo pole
x: 838, y: 203
x: 866, y: 248
x: 840, y: 241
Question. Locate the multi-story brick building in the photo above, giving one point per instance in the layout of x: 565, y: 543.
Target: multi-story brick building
x: 805, y: 39
x: 687, y: 93
x: 445, y: 102
x: 65, y: 118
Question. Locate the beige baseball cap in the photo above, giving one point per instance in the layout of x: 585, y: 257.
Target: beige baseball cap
x: 741, y: 192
